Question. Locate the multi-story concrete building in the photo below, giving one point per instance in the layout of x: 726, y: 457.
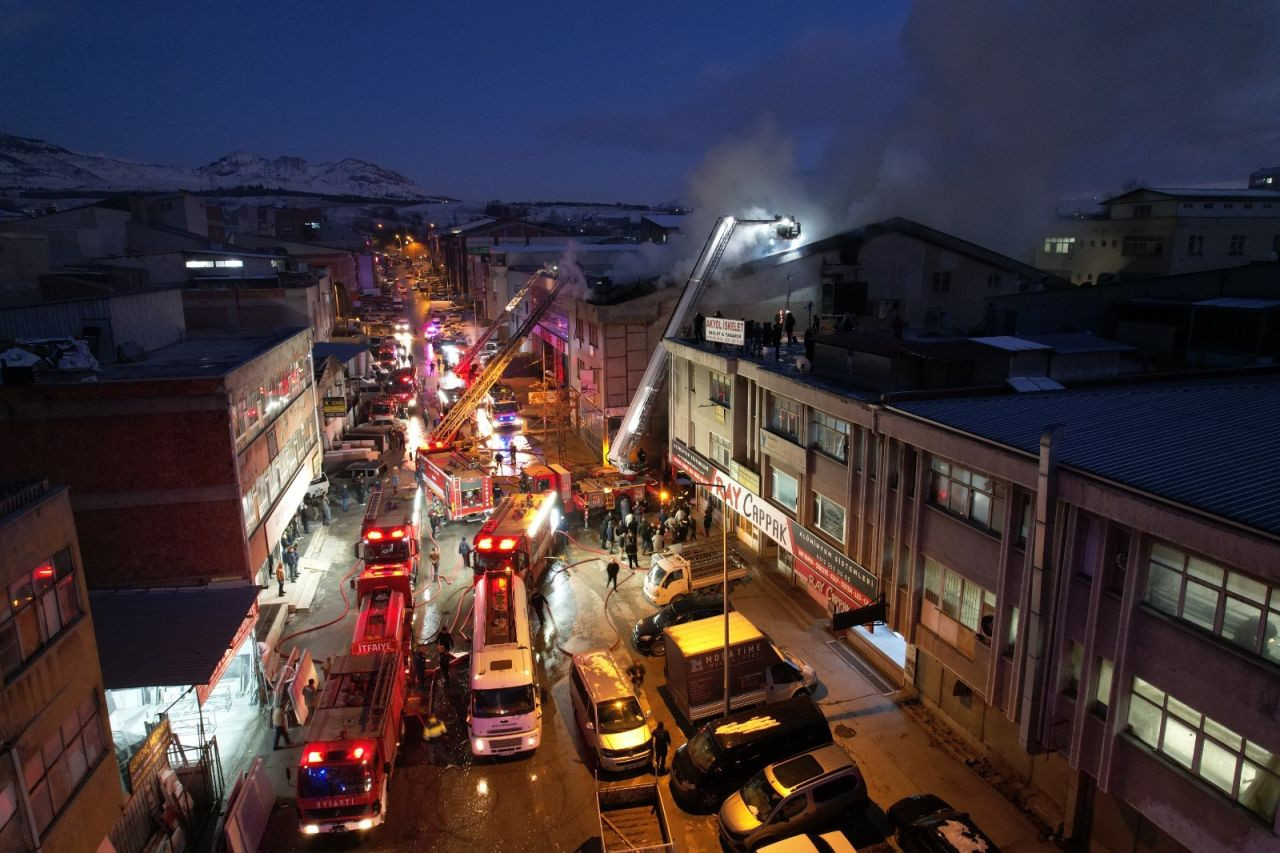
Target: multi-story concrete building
x: 210, y: 439
x: 1082, y: 583
x: 895, y: 269
x: 59, y: 789
x: 1161, y: 232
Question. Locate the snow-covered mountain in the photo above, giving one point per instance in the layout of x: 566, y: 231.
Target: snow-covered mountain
x: 33, y: 164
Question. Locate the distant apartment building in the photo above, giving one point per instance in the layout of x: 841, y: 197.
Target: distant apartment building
x: 894, y: 269
x: 59, y: 788
x: 1083, y: 582
x: 1160, y: 232
x: 212, y: 439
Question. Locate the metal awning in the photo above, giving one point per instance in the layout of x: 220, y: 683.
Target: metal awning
x: 169, y: 637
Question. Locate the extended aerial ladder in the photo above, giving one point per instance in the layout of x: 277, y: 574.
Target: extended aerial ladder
x: 470, y: 355
x: 655, y: 374
x: 443, y: 435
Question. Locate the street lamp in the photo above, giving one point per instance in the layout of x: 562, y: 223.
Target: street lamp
x: 724, y: 577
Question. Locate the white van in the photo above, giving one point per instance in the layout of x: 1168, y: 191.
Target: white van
x: 608, y: 713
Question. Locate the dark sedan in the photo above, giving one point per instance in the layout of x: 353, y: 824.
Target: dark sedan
x: 926, y: 824
x: 647, y: 635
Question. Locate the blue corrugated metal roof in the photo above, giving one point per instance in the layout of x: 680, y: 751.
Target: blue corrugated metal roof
x: 1209, y: 444
x: 342, y: 351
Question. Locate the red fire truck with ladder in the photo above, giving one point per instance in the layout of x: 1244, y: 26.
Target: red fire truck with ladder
x: 389, y: 541
x: 518, y: 536
x: 352, y: 740
x: 464, y: 364
x: 443, y: 436
x: 464, y: 485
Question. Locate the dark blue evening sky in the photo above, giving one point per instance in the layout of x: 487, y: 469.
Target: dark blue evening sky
x: 882, y: 106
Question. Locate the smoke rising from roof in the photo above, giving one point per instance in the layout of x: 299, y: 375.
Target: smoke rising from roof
x: 996, y: 113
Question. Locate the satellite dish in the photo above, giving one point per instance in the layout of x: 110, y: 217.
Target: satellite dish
x: 803, y: 364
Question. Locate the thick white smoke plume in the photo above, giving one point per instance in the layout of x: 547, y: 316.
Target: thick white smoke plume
x: 998, y: 111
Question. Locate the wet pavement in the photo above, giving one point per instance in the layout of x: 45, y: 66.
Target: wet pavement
x: 441, y: 798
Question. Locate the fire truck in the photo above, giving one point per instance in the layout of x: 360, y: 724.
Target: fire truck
x: 606, y: 487
x: 352, y: 739
x: 505, y: 716
x: 383, y: 623
x: 519, y: 535
x: 389, y: 542
x: 462, y: 484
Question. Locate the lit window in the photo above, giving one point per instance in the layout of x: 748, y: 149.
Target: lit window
x: 829, y: 435
x: 1059, y: 245
x: 784, y: 417
x: 721, y: 390
x: 1102, y: 691
x: 721, y: 451
x: 956, y: 596
x: 195, y: 265
x: 785, y: 490
x: 1239, y: 768
x: 1072, y: 665
x: 1230, y: 605
x: 41, y: 604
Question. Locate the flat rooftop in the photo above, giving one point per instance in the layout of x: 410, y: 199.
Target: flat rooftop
x: 203, y: 355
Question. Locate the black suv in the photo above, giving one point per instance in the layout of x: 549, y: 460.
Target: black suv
x: 647, y: 635
x: 926, y: 824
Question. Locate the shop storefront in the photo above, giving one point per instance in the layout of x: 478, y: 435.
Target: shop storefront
x: 831, y: 578
x: 186, y: 656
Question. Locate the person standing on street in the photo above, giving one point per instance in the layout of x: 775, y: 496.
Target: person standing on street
x: 539, y: 602
x: 444, y: 652
x: 661, y: 743
x: 344, y: 495
x: 395, y: 479
x: 632, y: 562
x: 280, y: 578
x: 464, y: 550
x: 434, y: 557
x: 708, y: 518
x: 611, y: 571
x: 789, y: 323
x: 309, y: 696
x: 280, y: 719
x: 291, y: 561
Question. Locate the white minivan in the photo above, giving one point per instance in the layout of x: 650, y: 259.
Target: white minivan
x: 608, y: 713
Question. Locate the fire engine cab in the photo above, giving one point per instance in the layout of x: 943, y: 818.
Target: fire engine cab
x: 352, y: 740
x: 389, y: 537
x: 462, y: 484
x: 519, y: 535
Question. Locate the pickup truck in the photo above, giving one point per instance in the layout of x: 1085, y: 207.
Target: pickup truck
x: 632, y: 818
x: 694, y: 568
x: 759, y: 672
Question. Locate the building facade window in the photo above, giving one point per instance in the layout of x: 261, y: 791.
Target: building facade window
x: 1059, y: 245
x: 941, y: 282
x: 955, y: 595
x: 784, y: 489
x: 829, y: 516
x: 1236, y: 246
x: 1102, y: 690
x: 1195, y: 245
x: 1230, y: 605
x: 42, y: 604
x: 972, y: 496
x: 829, y: 435
x: 721, y: 390
x: 1072, y: 667
x: 52, y: 773
x: 721, y: 450
x: 1239, y: 768
x: 784, y: 417
x: 1141, y: 246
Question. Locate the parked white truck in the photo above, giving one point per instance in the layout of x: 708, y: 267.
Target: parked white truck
x: 698, y: 567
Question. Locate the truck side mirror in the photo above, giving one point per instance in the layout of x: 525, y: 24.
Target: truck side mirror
x: 356, y: 548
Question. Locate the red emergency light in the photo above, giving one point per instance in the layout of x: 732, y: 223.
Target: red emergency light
x: 373, y: 534
x: 506, y: 544
x: 314, y: 757
x: 45, y: 571
x: 358, y: 752
x: 406, y: 379
x: 485, y: 544
x: 398, y: 533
